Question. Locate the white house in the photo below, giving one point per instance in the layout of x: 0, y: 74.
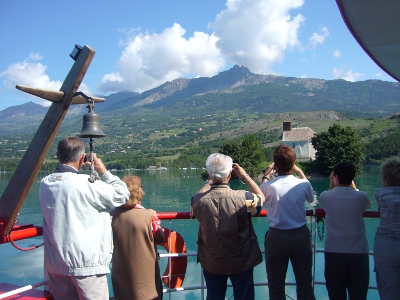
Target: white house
x: 299, y: 139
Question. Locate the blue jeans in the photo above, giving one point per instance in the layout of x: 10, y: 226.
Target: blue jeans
x: 387, y: 267
x: 242, y: 283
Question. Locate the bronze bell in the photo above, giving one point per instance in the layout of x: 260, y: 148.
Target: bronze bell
x: 91, y: 125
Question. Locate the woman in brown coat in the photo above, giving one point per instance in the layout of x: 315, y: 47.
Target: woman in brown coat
x: 136, y: 231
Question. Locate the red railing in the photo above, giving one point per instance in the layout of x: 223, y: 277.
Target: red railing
x: 20, y: 232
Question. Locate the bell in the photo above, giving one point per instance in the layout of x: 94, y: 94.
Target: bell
x: 91, y: 126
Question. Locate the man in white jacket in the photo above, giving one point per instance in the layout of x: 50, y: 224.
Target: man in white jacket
x: 76, y: 224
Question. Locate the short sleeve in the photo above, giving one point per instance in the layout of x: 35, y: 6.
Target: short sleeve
x: 253, y: 203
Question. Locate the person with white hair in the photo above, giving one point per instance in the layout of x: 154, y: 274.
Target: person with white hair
x: 227, y: 243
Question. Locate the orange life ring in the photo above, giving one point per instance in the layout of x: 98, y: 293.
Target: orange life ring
x: 176, y: 268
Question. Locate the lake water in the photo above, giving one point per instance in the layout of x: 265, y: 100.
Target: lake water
x: 171, y: 190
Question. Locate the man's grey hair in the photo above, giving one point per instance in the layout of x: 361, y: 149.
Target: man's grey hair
x: 70, y: 149
x: 218, y: 166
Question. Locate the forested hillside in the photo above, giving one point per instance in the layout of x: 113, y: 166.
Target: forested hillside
x: 180, y: 122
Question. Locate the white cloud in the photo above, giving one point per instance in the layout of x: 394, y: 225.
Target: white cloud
x: 35, y: 56
x: 337, y: 54
x: 348, y: 75
x: 256, y: 34
x: 253, y: 33
x: 319, y: 38
x: 28, y: 73
x: 33, y: 74
x: 377, y: 75
x: 151, y: 59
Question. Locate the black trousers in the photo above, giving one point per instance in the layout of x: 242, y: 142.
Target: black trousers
x: 282, y: 246
x: 347, y: 272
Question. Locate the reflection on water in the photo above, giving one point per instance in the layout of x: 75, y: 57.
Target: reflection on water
x: 171, y: 190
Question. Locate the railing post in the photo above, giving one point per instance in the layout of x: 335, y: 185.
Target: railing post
x: 169, y: 258
x: 202, y: 283
x: 315, y: 249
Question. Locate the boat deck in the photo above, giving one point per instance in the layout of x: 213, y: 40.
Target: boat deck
x: 313, y: 217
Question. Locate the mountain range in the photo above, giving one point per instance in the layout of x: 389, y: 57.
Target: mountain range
x: 235, y: 91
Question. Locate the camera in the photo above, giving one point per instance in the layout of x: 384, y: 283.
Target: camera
x: 86, y: 159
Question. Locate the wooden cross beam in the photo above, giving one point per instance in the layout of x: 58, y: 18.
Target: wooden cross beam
x: 21, y: 182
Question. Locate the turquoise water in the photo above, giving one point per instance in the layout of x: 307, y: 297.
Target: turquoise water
x: 171, y: 190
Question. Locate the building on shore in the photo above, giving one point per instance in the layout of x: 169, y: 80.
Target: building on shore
x: 299, y: 139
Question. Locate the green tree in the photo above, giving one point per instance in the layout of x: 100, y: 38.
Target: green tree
x: 247, y: 152
x: 269, y: 154
x: 383, y: 147
x: 335, y: 145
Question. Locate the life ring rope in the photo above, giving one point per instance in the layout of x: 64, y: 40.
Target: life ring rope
x: 175, y: 271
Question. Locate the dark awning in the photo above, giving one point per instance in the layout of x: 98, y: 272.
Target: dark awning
x: 375, y: 24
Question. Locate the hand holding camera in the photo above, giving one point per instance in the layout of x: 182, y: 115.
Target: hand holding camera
x: 97, y: 163
x: 268, y: 172
x: 238, y: 170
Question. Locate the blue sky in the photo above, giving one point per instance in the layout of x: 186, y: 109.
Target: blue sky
x: 142, y: 44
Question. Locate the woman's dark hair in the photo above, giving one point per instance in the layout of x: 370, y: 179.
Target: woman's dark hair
x: 346, y: 171
x: 284, y: 159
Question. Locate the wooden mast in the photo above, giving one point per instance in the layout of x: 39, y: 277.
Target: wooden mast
x: 21, y: 182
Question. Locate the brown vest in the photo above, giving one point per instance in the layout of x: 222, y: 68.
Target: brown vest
x: 135, y: 269
x: 227, y: 243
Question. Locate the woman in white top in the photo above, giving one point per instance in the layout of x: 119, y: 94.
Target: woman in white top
x: 288, y: 237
